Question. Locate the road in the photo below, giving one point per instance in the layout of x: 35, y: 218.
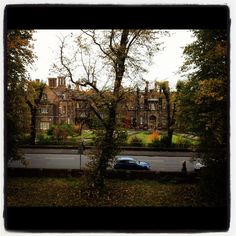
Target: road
x: 72, y: 161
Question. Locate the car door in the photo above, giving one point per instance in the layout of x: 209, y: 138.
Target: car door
x: 132, y: 165
x: 123, y: 164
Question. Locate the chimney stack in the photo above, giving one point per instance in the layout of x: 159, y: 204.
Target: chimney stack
x: 77, y: 86
x: 52, y: 82
x: 147, y: 89
x: 156, y: 86
x: 61, y: 81
x: 94, y: 83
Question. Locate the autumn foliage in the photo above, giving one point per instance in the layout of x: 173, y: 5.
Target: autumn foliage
x: 19, y: 55
x: 155, y: 135
x: 202, y: 106
x: 77, y: 128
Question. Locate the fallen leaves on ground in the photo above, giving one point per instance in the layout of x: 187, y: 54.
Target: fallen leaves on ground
x: 68, y: 192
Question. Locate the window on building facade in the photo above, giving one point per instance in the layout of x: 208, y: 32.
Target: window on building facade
x: 64, y: 110
x: 152, y: 106
x: 83, y: 114
x: 51, y: 83
x: 44, y: 110
x: 44, y: 125
x: 44, y: 97
x: 141, y: 120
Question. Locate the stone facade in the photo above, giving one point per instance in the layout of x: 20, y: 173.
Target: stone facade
x: 147, y: 109
x: 57, y: 104
x: 144, y: 109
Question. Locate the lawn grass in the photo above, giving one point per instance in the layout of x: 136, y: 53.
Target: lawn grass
x: 143, y: 135
x: 87, y: 134
x: 180, y: 139
x: 66, y: 192
x: 176, y: 138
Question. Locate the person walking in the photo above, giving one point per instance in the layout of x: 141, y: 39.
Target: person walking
x: 184, y: 168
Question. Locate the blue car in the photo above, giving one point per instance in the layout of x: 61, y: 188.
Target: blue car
x: 129, y: 163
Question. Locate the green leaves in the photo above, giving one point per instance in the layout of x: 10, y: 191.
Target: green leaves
x: 202, y: 104
x: 203, y: 97
x: 19, y: 57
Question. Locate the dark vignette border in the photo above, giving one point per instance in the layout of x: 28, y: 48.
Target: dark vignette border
x: 116, y: 16
x: 116, y: 219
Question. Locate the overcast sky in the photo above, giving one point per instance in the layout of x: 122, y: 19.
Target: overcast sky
x: 165, y: 65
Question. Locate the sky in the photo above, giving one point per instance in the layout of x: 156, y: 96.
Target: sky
x: 165, y: 65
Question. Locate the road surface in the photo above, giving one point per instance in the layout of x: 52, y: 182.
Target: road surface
x: 73, y: 161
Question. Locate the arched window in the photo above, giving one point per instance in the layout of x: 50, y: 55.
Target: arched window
x: 152, y: 121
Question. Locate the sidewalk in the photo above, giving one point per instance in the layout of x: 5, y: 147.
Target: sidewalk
x: 124, y: 152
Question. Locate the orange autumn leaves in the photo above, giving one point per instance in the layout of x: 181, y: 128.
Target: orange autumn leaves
x: 155, y: 135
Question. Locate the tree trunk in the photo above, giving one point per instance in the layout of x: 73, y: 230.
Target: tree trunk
x: 81, y: 128
x: 169, y: 130
x: 169, y: 135
x: 170, y: 119
x: 107, y: 147
x: 33, y: 126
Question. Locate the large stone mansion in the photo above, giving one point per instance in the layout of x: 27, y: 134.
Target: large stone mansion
x: 145, y: 109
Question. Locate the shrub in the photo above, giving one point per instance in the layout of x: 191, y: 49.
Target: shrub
x: 67, y: 127
x: 60, y: 133
x: 155, y: 143
x: 77, y: 128
x: 137, y: 142
x: 154, y: 136
x: 50, y: 130
x: 25, y: 139
x: 73, y: 140
x: 161, y: 142
x: 183, y: 142
x: 40, y: 136
x: 164, y: 141
x: 43, y: 139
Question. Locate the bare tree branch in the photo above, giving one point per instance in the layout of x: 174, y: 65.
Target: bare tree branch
x: 97, y: 113
x: 111, y: 39
x: 132, y: 41
x: 99, y: 45
x: 62, y: 61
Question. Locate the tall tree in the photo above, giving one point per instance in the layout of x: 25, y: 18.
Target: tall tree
x: 33, y: 98
x: 121, y: 54
x: 202, y: 102
x: 19, y: 55
x: 170, y: 109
